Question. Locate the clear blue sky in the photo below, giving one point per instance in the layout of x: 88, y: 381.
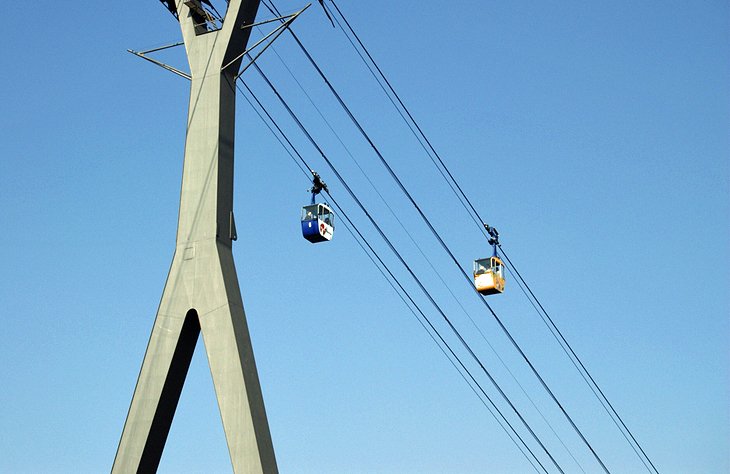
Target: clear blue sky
x: 595, y: 137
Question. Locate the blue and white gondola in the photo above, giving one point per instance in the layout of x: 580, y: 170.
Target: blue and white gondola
x: 318, y: 223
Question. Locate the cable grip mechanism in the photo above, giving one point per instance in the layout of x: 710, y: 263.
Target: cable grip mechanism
x: 317, y: 185
x: 493, y: 237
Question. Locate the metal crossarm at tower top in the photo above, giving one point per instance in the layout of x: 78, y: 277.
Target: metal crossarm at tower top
x: 202, y: 292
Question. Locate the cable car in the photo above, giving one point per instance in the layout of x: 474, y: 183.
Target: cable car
x: 318, y: 220
x: 318, y: 223
x: 489, y: 275
x: 489, y: 272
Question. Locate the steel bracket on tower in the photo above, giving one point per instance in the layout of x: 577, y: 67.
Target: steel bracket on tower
x: 267, y: 40
x: 201, y: 294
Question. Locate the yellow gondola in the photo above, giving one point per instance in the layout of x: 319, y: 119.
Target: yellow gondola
x: 489, y: 275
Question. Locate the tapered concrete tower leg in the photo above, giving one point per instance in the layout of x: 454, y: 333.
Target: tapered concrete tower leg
x: 236, y: 382
x: 160, y: 383
x: 202, y: 292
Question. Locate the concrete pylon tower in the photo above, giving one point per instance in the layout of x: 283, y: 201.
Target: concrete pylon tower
x: 202, y: 293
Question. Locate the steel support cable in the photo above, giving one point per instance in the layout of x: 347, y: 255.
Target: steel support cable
x: 403, y: 290
x: 534, y: 303
x: 479, y: 223
x: 522, y: 285
x: 417, y: 132
x: 470, y: 209
x: 567, y: 347
x: 400, y: 258
x: 341, y: 211
x: 443, y: 244
x: 443, y: 343
x: 411, y: 299
x: 423, y: 254
x: 472, y: 212
x: 307, y: 174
